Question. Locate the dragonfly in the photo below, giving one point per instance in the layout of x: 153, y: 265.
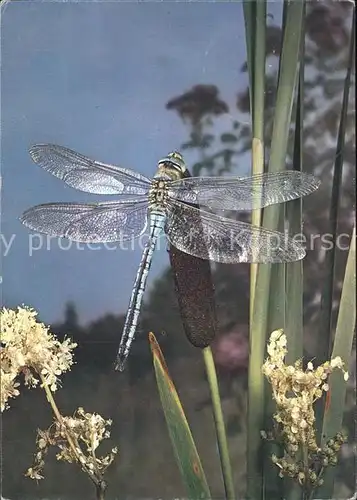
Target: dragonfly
x: 188, y: 210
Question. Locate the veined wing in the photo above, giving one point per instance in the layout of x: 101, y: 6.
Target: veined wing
x: 245, y: 193
x: 88, y: 175
x: 209, y: 236
x: 88, y: 223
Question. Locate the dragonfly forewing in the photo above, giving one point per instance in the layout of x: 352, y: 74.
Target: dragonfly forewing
x: 88, y: 175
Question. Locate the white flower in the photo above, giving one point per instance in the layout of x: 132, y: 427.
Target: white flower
x: 29, y: 348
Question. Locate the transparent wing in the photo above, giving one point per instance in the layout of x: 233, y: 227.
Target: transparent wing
x: 246, y: 193
x: 88, y: 223
x: 88, y: 175
x: 209, y: 236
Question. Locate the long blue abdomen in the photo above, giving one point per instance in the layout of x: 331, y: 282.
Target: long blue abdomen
x: 157, y: 222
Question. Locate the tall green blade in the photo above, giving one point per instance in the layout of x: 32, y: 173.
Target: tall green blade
x: 327, y: 297
x: 325, y: 333
x: 294, y: 270
x: 255, y: 29
x: 182, y: 441
x: 249, y: 20
x: 285, y: 96
x: 346, y: 322
x: 257, y: 99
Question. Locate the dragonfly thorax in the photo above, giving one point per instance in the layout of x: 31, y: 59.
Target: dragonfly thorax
x: 158, y: 194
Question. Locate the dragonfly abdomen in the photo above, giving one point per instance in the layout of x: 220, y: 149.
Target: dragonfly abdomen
x: 157, y: 222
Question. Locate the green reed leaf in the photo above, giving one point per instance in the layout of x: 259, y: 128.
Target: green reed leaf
x: 182, y: 441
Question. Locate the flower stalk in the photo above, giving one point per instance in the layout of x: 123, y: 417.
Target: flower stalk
x: 219, y: 423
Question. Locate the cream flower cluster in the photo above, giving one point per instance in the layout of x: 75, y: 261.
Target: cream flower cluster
x: 28, y: 348
x: 86, y: 430
x: 295, y: 391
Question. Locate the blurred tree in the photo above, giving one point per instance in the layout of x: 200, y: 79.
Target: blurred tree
x: 70, y: 323
x: 199, y: 103
x: 197, y: 107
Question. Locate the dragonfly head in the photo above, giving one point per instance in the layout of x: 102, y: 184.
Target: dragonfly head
x: 174, y: 161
